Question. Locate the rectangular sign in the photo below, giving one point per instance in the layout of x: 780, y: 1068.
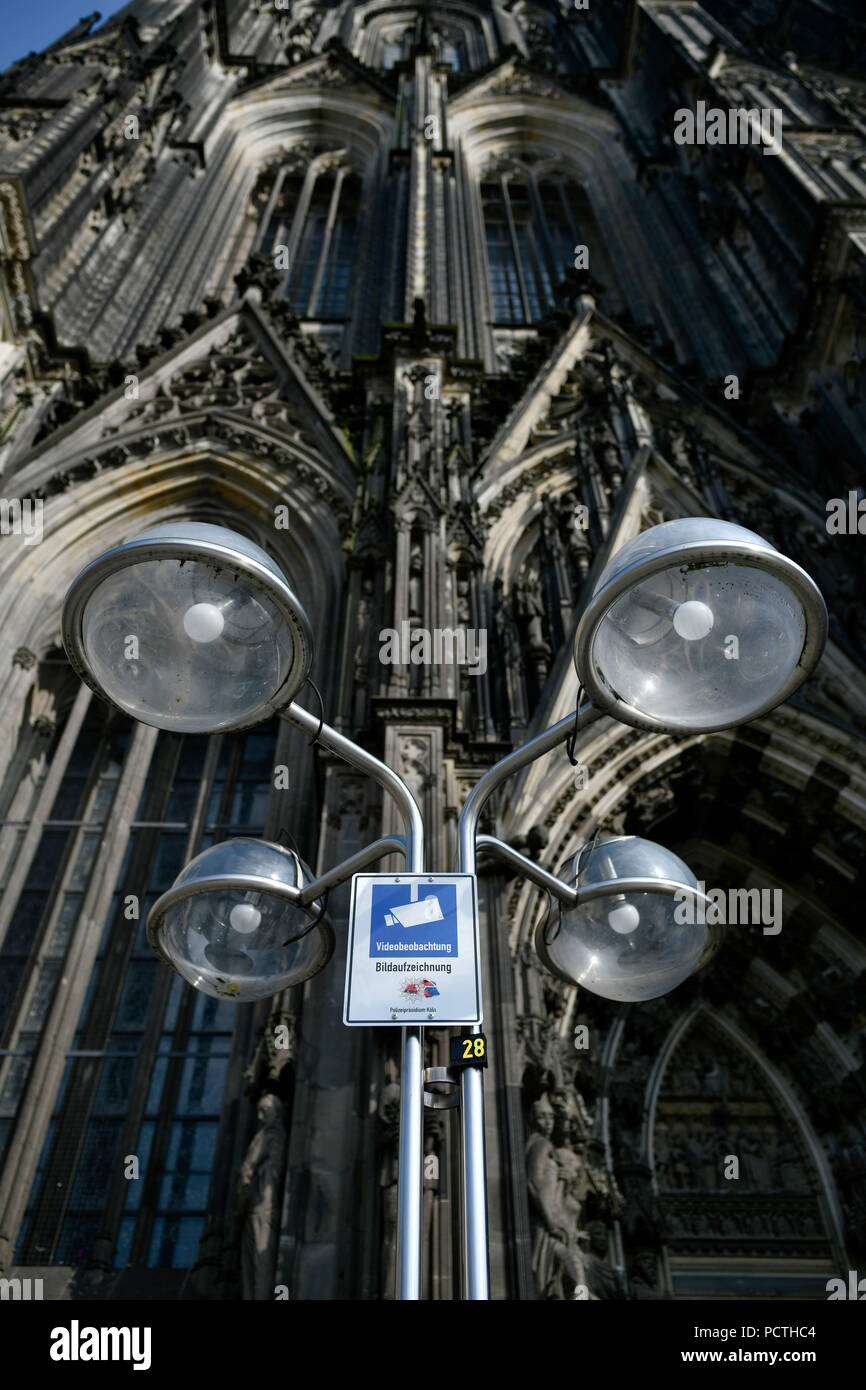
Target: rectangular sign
x: 413, y: 951
x: 469, y: 1052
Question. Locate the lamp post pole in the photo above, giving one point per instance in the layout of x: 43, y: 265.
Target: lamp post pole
x: 476, y: 1264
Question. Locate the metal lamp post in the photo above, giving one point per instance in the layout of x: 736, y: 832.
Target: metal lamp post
x: 695, y: 625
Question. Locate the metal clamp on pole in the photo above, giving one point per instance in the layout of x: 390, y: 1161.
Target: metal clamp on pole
x: 441, y: 1076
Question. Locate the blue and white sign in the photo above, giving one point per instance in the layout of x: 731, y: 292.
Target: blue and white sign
x: 413, y: 951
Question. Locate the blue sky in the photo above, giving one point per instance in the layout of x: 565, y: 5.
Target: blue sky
x: 28, y: 27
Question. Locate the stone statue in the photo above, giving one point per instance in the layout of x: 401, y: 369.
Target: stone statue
x: 532, y: 604
x: 416, y: 583
x: 644, y: 1277
x: 259, y: 1200
x: 556, y: 1259
x: 601, y: 1277
x: 754, y: 1163
x: 418, y: 439
x: 361, y: 655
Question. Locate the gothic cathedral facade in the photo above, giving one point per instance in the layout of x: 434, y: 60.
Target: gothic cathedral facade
x: 440, y: 303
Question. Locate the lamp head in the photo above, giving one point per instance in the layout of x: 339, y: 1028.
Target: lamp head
x: 188, y: 627
x: 698, y: 625
x: 636, y: 931
x: 231, y: 924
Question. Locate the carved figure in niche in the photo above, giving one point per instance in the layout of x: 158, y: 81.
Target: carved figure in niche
x: 464, y: 611
x: 532, y: 605
x: 756, y: 1169
x: 416, y: 583
x: 854, y: 1151
x: 677, y: 1168
x: 259, y: 1200
x: 415, y: 765
x: 556, y: 1259
x: 790, y: 1174
x: 507, y: 660
x: 601, y: 1277
x: 550, y: 528
x: 713, y: 1081
x: 644, y: 1276
x: 600, y: 1194
x: 418, y: 431
x: 361, y: 663
x: 389, y: 1122
x: 697, y: 1157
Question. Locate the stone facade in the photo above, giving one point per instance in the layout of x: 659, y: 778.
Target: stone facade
x: 440, y: 282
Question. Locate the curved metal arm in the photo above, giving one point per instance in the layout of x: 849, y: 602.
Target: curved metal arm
x: 389, y: 844
x: 526, y: 868
x: 386, y: 777
x: 496, y: 775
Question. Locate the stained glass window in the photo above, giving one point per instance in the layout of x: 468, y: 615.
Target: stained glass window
x: 531, y: 232
x: 320, y: 234
x: 146, y: 1064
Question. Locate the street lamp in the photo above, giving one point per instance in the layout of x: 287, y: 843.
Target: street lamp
x: 624, y: 936
x: 188, y: 627
x: 695, y: 625
x: 233, y: 923
x: 698, y: 625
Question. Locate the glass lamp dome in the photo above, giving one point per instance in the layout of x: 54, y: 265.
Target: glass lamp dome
x: 635, y: 931
x: 698, y: 625
x: 188, y: 627
x: 231, y: 924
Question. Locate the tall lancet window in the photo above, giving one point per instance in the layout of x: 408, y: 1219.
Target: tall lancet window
x: 315, y: 217
x: 531, y: 229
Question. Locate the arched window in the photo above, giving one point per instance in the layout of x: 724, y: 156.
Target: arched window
x: 315, y: 217
x: 531, y: 229
x: 144, y: 1060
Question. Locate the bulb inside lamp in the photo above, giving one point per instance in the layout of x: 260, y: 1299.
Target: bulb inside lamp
x: 204, y: 622
x: 244, y: 917
x: 693, y: 620
x: 623, y: 918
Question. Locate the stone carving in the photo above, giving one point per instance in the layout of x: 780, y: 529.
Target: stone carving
x: 745, y: 1222
x: 644, y: 1280
x: 259, y: 1200
x: 553, y: 1180
x: 602, y: 1279
x: 514, y: 81
x: 416, y: 583
x: 532, y: 609
x: 43, y: 712
x: 415, y: 755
